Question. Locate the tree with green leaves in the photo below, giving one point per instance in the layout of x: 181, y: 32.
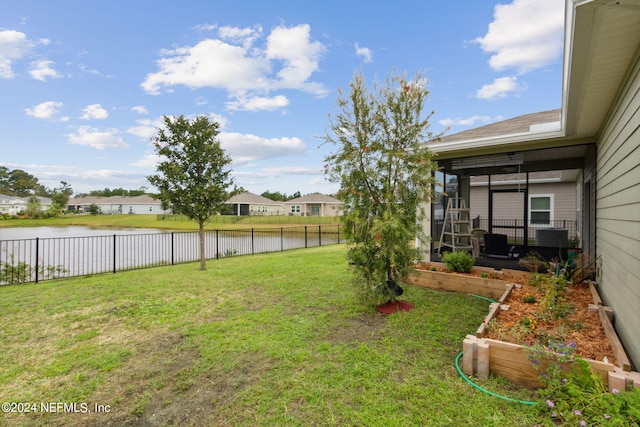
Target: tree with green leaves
x: 34, y: 207
x: 60, y: 195
x: 192, y: 176
x: 386, y: 175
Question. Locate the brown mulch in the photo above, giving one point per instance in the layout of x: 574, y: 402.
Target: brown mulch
x: 581, y: 326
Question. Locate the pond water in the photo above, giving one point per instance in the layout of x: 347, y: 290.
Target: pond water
x: 17, y: 233
x: 37, y: 253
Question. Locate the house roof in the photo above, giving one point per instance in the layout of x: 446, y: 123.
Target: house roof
x: 114, y: 200
x: 601, y: 42
x: 516, y: 125
x: 315, y: 198
x: 251, y: 199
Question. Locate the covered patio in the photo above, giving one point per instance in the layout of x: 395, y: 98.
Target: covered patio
x: 528, y: 196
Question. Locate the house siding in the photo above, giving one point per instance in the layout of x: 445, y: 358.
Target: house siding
x: 508, y: 206
x: 618, y: 213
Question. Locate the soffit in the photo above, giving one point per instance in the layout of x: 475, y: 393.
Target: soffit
x: 605, y: 41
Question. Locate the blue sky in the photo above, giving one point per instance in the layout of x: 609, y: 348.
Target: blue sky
x: 84, y: 84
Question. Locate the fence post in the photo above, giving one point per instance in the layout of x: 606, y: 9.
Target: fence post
x: 37, y: 251
x: 305, y: 237
x: 319, y: 235
x: 252, y: 244
x: 217, y: 246
x: 338, y: 233
x: 173, y: 258
x: 281, y: 239
x: 114, y: 254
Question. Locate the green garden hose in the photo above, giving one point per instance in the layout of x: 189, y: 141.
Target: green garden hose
x: 484, y: 390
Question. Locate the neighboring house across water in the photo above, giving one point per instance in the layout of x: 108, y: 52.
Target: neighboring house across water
x: 118, y: 204
x: 253, y: 204
x: 314, y: 204
x: 12, y: 205
x: 596, y: 131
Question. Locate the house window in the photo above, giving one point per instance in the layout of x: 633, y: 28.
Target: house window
x: 541, y: 209
x: 295, y: 208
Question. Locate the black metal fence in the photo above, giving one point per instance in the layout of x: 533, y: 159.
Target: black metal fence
x: 34, y: 260
x: 514, y: 229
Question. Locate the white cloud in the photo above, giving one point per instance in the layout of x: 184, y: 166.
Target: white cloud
x: 300, y: 55
x: 244, y: 148
x: 235, y: 63
x: 45, y: 110
x: 469, y: 121
x: 524, y: 35
x: 242, y: 36
x: 94, y: 112
x: 277, y: 172
x: 365, y: 53
x: 95, y: 138
x: 500, y: 88
x: 205, y: 27
x: 13, y: 45
x: 145, y: 128
x: 258, y: 103
x: 41, y: 70
x: 210, y: 63
x: 140, y: 109
x: 149, y: 160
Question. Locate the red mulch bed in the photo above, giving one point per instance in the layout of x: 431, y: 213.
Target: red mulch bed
x: 394, y: 307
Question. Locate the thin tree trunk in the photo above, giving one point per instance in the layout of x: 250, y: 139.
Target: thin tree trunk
x: 203, y: 258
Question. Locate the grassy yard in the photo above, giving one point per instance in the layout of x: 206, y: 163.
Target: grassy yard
x: 266, y: 340
x: 152, y: 221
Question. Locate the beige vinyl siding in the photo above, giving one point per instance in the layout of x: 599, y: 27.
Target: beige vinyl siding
x: 510, y: 205
x: 618, y: 213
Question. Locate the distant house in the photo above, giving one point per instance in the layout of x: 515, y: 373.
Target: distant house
x: 314, y: 204
x: 12, y: 205
x: 252, y: 204
x: 118, y: 204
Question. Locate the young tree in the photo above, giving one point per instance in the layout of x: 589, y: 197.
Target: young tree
x: 385, y: 176
x: 61, y: 195
x: 34, y: 208
x: 191, y: 177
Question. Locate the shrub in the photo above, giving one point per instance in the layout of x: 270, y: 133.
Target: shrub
x: 458, y: 261
x: 574, y: 394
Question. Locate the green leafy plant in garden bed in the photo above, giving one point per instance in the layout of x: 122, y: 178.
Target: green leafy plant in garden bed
x: 576, y: 396
x: 458, y: 261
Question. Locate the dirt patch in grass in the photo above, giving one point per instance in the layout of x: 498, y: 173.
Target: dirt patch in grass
x: 364, y: 328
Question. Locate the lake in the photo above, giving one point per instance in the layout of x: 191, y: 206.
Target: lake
x: 38, y: 253
x: 16, y: 233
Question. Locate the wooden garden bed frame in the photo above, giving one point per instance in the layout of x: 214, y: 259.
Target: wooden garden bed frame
x: 483, y: 355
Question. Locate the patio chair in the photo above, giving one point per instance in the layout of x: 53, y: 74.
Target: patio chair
x: 497, y: 246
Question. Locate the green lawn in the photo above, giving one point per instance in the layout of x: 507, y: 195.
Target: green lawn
x: 152, y: 221
x: 267, y: 340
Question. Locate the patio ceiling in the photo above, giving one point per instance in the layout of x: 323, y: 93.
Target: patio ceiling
x: 602, y: 38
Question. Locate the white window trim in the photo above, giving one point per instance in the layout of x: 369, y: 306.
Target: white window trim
x: 551, y: 210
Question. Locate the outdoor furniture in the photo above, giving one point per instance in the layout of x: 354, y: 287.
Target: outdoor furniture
x: 497, y: 246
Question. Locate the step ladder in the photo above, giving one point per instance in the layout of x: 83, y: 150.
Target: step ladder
x: 456, y: 228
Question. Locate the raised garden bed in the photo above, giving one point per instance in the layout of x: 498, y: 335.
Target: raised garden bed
x: 482, y: 354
